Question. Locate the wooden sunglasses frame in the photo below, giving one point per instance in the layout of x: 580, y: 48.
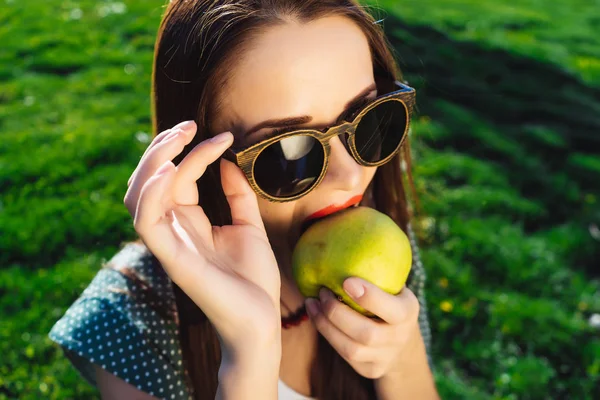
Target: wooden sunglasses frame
x: 245, y: 158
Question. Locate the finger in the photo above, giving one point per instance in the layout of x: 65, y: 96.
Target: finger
x: 152, y: 217
x: 155, y: 221
x: 166, y: 151
x: 349, y: 349
x: 393, y: 309
x: 186, y: 130
x: 193, y: 166
x: 362, y: 329
x: 195, y: 271
x: 240, y: 196
x: 159, y: 138
x: 166, y: 134
x: 371, y: 370
x: 196, y: 224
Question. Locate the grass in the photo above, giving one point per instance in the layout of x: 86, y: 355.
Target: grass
x: 561, y: 33
x: 506, y: 163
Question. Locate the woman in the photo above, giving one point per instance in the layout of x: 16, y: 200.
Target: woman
x: 300, y: 104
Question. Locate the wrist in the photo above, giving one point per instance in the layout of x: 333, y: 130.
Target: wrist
x: 412, y: 357
x: 258, y: 370
x: 247, y: 374
x: 410, y: 377
x: 251, y: 342
x: 264, y: 355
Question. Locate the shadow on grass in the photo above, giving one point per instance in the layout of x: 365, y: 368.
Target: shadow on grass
x: 539, y: 126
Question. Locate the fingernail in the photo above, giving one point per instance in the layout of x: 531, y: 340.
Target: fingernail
x: 185, y: 126
x: 354, y: 288
x: 312, y: 307
x: 325, y: 294
x: 220, y: 138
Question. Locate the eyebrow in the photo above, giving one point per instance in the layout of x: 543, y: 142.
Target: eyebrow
x: 304, y: 119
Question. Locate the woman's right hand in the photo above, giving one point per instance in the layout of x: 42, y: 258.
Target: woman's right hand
x: 229, y: 271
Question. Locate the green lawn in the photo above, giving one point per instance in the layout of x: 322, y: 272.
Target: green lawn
x: 507, y: 159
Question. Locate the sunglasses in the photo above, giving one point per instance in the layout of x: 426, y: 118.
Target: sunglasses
x: 292, y: 164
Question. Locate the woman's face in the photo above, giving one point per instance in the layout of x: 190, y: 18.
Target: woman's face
x: 301, y: 69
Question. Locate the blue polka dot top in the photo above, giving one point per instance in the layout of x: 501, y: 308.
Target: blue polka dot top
x: 127, y: 337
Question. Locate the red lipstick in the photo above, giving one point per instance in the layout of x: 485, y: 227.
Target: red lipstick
x: 333, y: 208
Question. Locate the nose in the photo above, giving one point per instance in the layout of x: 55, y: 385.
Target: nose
x: 343, y: 172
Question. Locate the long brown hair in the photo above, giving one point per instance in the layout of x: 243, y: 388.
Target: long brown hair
x: 196, y: 41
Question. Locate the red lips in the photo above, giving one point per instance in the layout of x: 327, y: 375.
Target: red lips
x: 333, y: 208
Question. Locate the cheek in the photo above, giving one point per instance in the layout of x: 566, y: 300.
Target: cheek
x: 276, y: 216
x: 369, y: 175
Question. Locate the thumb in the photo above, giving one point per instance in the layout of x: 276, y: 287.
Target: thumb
x: 240, y: 196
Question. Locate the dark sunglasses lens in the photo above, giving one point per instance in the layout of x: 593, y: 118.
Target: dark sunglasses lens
x: 289, y: 166
x: 381, y: 130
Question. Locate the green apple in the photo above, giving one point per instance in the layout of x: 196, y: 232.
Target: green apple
x: 360, y: 242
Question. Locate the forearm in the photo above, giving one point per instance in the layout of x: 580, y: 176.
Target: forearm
x: 250, y: 377
x: 411, y: 380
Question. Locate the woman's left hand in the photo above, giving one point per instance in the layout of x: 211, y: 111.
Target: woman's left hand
x: 373, y: 347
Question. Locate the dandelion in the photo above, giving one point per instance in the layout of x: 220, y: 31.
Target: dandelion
x: 446, y: 306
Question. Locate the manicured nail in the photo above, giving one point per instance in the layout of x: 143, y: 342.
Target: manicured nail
x: 325, y: 294
x: 354, y: 288
x: 185, y: 126
x: 221, y: 137
x: 312, y: 306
